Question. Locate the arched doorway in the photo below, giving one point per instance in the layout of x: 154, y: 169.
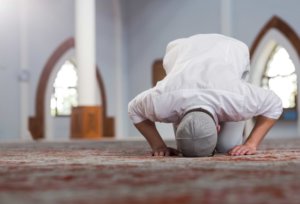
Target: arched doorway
x: 276, y: 36
x: 37, y: 122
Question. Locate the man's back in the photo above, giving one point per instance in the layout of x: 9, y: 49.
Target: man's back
x: 201, y: 72
x: 207, y: 50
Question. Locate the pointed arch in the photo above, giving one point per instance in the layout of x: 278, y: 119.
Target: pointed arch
x: 277, y: 23
x: 275, y: 32
x: 37, y: 122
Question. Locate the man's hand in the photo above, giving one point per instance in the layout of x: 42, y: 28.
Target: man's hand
x: 261, y: 127
x: 242, y: 150
x: 158, y: 146
x: 165, y: 152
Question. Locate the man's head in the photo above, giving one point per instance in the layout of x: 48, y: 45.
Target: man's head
x: 196, y: 135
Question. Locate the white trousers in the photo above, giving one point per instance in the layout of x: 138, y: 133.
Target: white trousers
x: 231, y: 134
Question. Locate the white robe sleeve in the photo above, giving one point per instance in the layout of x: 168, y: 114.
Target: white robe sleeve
x: 264, y: 102
x: 272, y: 106
x: 141, y: 107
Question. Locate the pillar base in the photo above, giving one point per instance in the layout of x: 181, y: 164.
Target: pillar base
x: 86, y: 122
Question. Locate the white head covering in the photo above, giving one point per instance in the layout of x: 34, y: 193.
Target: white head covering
x: 196, y: 135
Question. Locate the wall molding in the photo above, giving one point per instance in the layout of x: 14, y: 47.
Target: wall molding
x: 277, y: 23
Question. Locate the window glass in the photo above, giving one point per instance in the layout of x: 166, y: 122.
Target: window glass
x: 280, y: 76
x: 64, y: 95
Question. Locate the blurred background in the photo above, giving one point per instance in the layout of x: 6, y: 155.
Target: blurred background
x: 39, y: 65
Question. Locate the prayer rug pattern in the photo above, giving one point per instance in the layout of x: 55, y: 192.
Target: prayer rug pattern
x: 124, y: 172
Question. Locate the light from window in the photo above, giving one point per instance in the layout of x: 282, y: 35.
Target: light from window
x: 64, y: 95
x: 280, y: 77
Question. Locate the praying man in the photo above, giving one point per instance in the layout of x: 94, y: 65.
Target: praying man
x: 207, y: 98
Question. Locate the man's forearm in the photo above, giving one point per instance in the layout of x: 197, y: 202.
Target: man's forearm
x: 261, y: 128
x: 148, y: 129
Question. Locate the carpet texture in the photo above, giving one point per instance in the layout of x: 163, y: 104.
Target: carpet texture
x: 124, y: 172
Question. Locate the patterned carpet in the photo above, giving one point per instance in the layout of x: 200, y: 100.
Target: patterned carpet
x: 123, y: 172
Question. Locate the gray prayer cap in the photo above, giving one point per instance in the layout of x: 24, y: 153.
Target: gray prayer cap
x: 196, y: 135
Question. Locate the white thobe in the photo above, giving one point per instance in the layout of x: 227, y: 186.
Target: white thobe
x: 205, y: 71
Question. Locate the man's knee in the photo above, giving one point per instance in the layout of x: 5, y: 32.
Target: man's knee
x: 224, y: 146
x: 230, y: 136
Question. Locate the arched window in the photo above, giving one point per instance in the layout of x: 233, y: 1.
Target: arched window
x: 280, y: 76
x: 64, y: 94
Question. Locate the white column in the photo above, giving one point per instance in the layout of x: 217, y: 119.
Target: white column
x: 23, y: 76
x: 121, y: 80
x: 85, y: 51
x: 226, y: 17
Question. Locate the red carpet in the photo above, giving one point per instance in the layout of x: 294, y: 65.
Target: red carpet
x: 123, y: 172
